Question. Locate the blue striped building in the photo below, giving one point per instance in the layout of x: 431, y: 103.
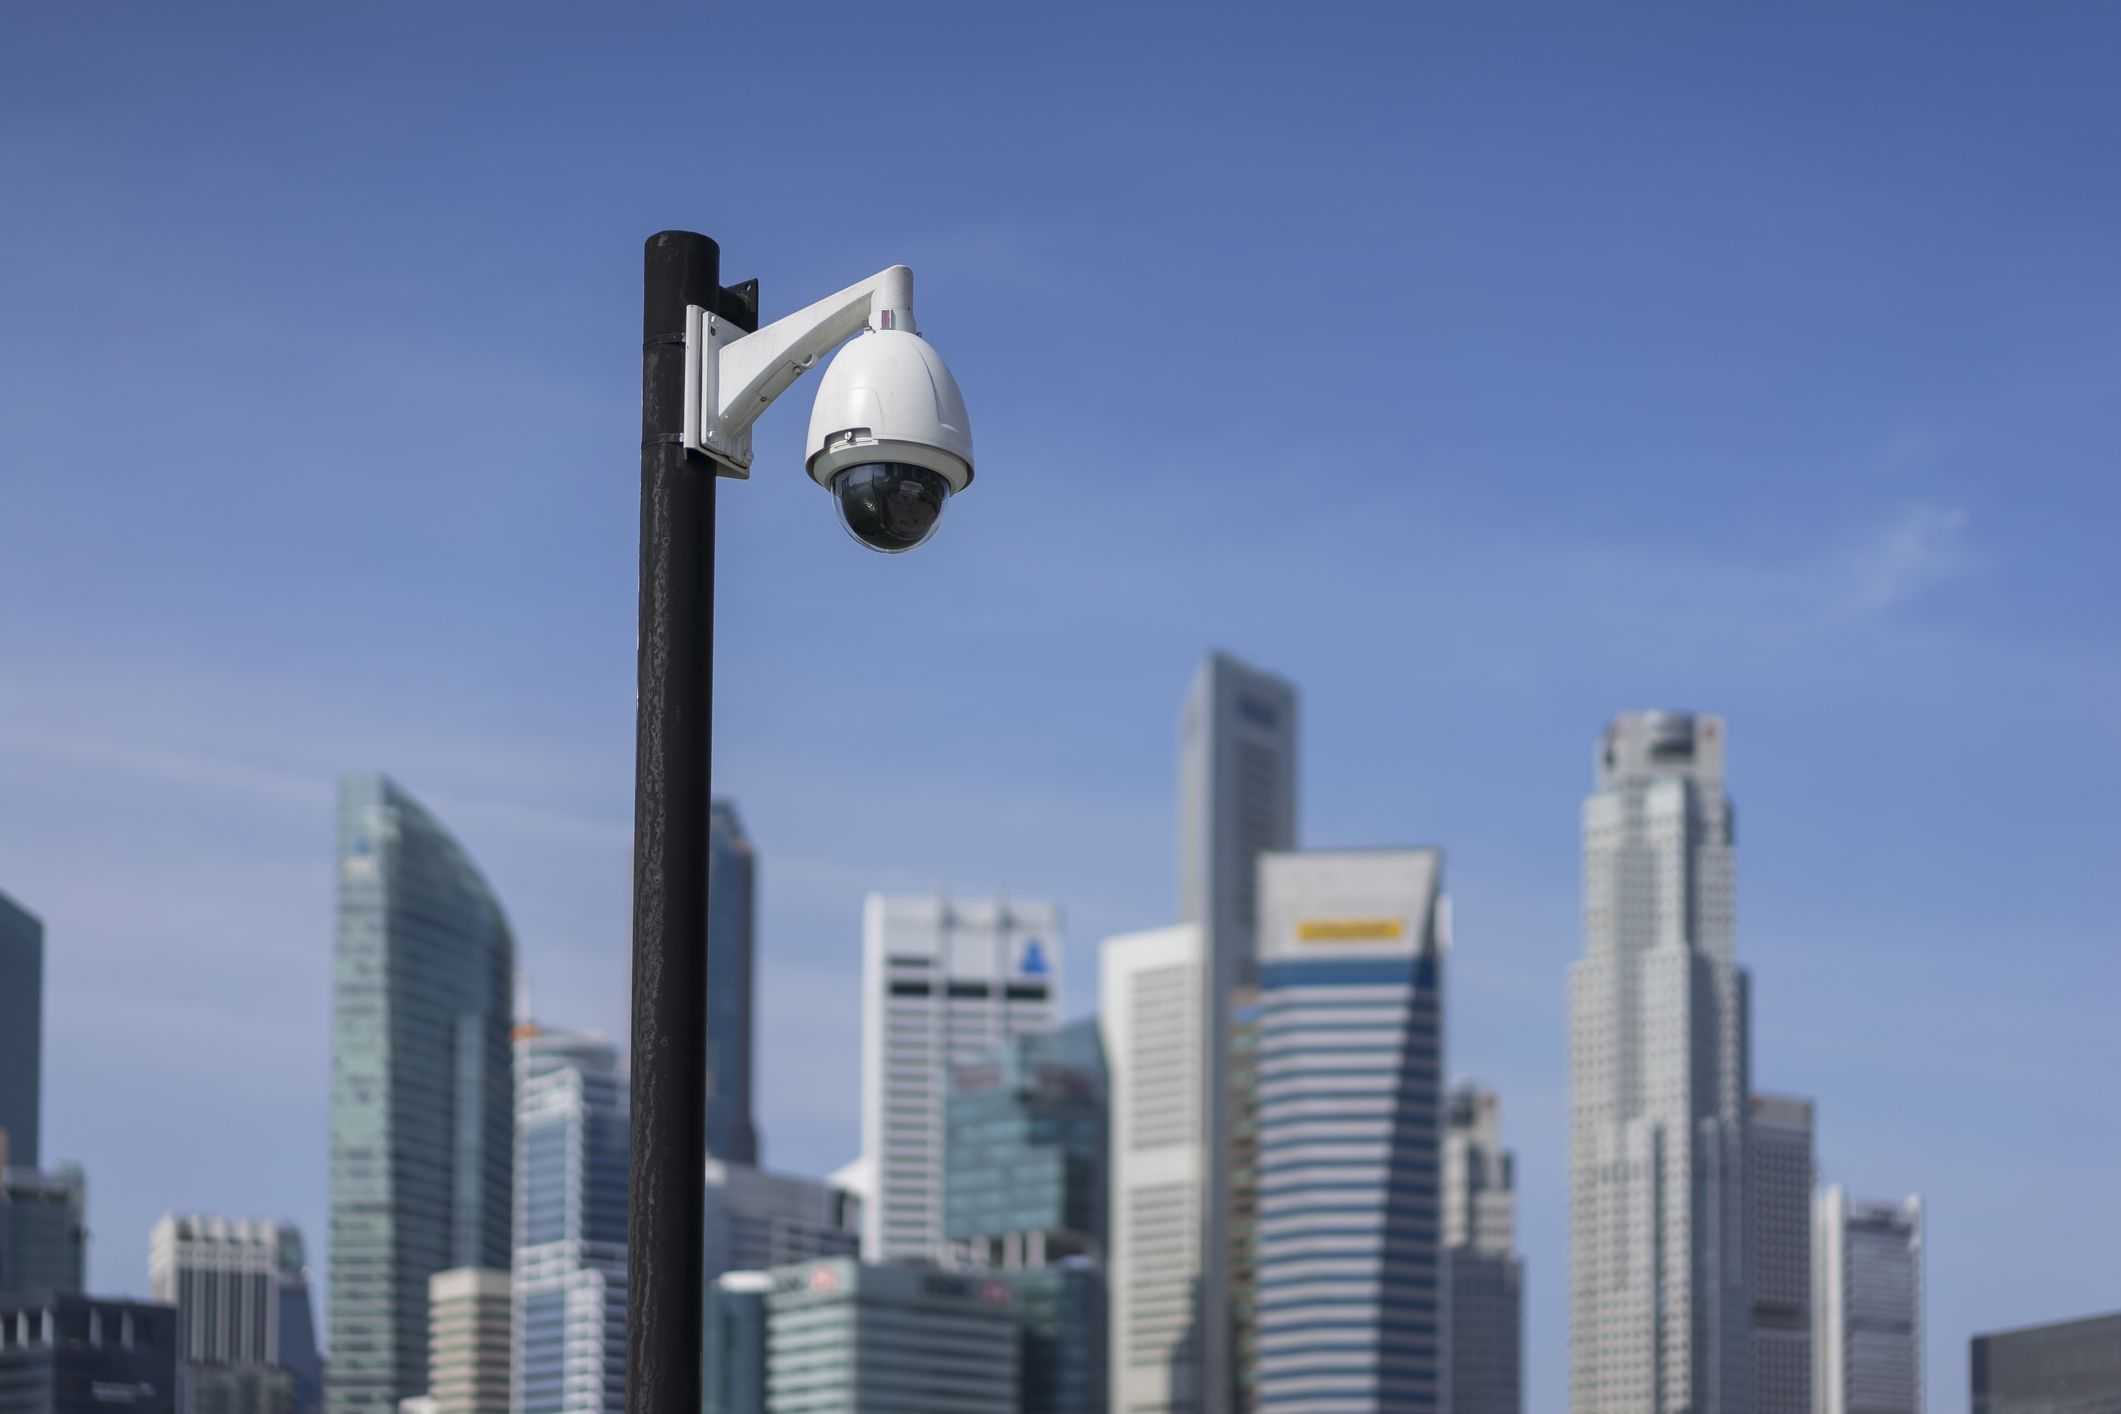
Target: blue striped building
x: 1348, y: 1311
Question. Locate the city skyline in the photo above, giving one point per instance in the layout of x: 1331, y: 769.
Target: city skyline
x: 1757, y: 364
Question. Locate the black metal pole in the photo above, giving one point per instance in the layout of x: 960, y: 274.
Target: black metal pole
x: 674, y: 726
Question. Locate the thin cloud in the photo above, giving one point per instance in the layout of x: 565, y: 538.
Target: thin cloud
x: 1921, y: 549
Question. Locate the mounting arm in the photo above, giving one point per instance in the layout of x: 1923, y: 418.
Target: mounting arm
x: 731, y: 376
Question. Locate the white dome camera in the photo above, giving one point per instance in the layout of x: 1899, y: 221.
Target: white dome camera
x: 889, y: 437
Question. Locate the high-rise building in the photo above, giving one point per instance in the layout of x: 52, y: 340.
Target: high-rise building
x: 943, y: 980
x: 72, y: 1354
x: 1350, y: 1261
x: 1660, y: 1311
x: 756, y: 1219
x: 1780, y: 1176
x: 21, y: 1033
x: 734, y: 1345
x: 1236, y: 801
x: 848, y: 1336
x: 1025, y: 1185
x: 246, y: 1337
x: 469, y: 1341
x: 1480, y: 1242
x: 2065, y: 1367
x: 422, y: 1124
x: 1867, y: 1305
x: 572, y: 1103
x: 1151, y: 987
x: 732, y: 884
x: 43, y: 1230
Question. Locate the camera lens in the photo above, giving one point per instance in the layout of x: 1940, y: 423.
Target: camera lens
x: 890, y: 506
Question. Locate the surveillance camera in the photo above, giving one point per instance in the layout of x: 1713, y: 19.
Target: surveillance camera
x: 889, y: 438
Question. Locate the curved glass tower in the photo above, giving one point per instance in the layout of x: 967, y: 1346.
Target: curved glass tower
x: 422, y: 1129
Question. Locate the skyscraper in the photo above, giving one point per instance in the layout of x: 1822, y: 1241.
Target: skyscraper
x: 942, y: 981
x: 21, y: 1033
x: 572, y: 1102
x: 1780, y: 1176
x: 1480, y: 1240
x: 1867, y: 1308
x: 1024, y: 1191
x: 731, y: 888
x: 2063, y: 1367
x: 421, y: 1126
x: 1236, y: 800
x: 1151, y: 987
x: 1351, y: 1291
x: 246, y: 1338
x: 1659, y: 1305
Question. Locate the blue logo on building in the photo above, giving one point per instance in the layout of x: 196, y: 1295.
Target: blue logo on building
x: 1034, y: 960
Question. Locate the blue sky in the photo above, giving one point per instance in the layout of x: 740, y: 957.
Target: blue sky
x: 1485, y: 371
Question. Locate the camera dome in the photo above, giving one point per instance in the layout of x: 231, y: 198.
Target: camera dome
x: 890, y: 506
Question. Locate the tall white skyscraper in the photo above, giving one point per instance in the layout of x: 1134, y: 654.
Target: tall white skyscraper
x: 1780, y: 1176
x: 1348, y: 1246
x: 1659, y: 1302
x: 569, y: 1289
x: 1236, y: 801
x: 943, y: 980
x: 1150, y: 1003
x: 1867, y: 1305
x: 1480, y: 1241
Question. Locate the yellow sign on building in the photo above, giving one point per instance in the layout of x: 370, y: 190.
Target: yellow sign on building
x: 1351, y: 930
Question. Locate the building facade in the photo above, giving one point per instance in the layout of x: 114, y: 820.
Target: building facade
x: 469, y: 1341
x: 1237, y: 779
x: 1350, y: 1308
x: 21, y: 1034
x: 85, y: 1355
x: 1480, y: 1245
x: 572, y: 1105
x: 756, y: 1219
x: 732, y: 890
x: 943, y: 981
x: 1660, y: 1314
x: 2065, y: 1367
x: 43, y: 1230
x: 734, y: 1345
x: 1780, y: 1178
x: 246, y: 1336
x: 1151, y: 988
x: 422, y: 1127
x: 846, y: 1337
x: 1025, y: 1184
x: 1867, y: 1305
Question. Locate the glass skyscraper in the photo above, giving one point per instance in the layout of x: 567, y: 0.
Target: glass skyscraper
x: 421, y: 1121
x: 572, y: 1103
x: 731, y: 888
x: 1348, y: 1067
x: 21, y: 1032
x: 1024, y: 1194
x: 1237, y: 773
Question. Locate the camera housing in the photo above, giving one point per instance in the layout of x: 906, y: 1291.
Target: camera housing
x: 888, y: 432
x: 889, y: 437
